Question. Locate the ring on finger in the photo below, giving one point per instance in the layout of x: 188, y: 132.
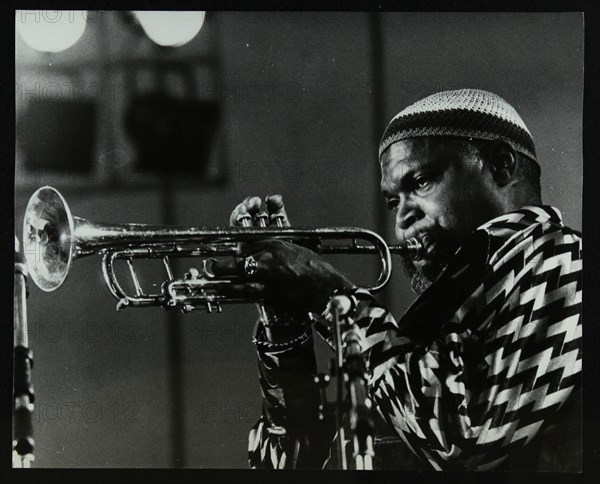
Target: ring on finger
x: 250, y: 266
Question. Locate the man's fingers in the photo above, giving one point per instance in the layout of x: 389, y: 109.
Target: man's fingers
x: 234, y: 220
x: 249, y: 206
x: 252, y: 204
x: 248, y: 290
x: 262, y: 249
x: 230, y: 267
x: 276, y: 209
x: 274, y: 202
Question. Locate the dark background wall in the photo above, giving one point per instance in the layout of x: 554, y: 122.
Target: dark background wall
x: 304, y: 97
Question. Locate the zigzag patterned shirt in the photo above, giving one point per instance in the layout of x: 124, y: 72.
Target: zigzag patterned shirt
x: 480, y: 364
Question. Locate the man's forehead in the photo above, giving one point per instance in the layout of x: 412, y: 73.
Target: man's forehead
x: 412, y: 151
x: 397, y: 161
x: 419, y: 151
x: 401, y: 151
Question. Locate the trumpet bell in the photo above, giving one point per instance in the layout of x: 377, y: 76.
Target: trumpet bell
x: 48, y: 244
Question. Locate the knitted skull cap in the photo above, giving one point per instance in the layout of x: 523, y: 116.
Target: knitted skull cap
x: 468, y: 113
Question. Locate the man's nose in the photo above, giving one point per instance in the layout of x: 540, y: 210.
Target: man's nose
x: 406, y: 214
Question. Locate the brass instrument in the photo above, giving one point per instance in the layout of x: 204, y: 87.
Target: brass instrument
x: 53, y: 238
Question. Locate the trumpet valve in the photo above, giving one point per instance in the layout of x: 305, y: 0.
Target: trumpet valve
x: 262, y: 219
x: 245, y: 220
x: 278, y: 218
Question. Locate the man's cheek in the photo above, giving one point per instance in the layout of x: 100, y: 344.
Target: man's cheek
x: 398, y: 232
x: 446, y: 221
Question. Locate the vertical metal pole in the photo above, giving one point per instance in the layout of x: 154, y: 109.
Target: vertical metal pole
x: 216, y: 23
x: 339, y: 377
x: 378, y: 88
x: 23, y: 443
x: 174, y: 349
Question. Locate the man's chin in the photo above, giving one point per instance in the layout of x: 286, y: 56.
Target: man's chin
x: 421, y: 273
x: 439, y: 249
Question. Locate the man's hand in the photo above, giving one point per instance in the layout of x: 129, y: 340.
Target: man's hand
x: 290, y: 278
x: 252, y: 206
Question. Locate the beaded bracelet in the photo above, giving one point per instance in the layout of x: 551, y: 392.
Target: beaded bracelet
x: 269, y: 318
x: 288, y: 344
x: 283, y: 321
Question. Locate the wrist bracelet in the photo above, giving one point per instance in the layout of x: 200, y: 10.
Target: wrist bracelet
x: 269, y: 319
x: 287, y: 344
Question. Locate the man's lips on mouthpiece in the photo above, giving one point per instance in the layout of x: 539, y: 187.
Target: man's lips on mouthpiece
x: 428, y: 243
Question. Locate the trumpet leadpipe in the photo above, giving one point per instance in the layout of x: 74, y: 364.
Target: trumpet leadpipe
x: 410, y: 247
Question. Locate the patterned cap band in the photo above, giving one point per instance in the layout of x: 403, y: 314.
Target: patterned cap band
x: 469, y: 113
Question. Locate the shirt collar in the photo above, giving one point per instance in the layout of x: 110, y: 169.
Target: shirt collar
x: 519, y: 219
x: 500, y: 229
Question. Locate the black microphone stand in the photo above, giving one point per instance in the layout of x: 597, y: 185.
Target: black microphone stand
x: 351, y: 370
x: 23, y: 442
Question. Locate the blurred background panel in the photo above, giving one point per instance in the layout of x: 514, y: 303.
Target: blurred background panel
x: 255, y: 103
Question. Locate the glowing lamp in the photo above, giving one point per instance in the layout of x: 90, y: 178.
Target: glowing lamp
x: 50, y: 30
x: 170, y: 29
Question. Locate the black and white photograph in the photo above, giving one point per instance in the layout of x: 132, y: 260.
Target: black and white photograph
x: 327, y: 240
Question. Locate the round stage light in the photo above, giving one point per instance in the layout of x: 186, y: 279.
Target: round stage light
x: 170, y: 29
x: 50, y: 30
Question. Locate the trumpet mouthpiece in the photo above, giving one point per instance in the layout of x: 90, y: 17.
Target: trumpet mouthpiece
x: 412, y: 247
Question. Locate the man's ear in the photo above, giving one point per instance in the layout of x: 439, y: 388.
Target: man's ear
x: 502, y: 161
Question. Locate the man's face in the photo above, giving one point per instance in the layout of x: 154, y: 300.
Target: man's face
x: 439, y: 193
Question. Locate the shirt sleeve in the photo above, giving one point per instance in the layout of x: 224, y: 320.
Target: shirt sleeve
x: 496, y: 371
x: 289, y: 434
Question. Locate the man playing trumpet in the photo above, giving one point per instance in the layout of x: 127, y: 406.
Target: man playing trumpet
x: 486, y: 363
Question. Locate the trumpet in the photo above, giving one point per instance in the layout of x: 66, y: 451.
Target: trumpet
x: 53, y: 238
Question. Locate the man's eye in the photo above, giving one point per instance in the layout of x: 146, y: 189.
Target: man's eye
x: 392, y: 204
x: 422, y: 183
